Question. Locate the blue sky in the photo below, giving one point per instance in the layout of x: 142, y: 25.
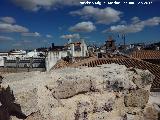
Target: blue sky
x: 38, y: 23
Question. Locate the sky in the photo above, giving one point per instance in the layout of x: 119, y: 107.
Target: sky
x: 28, y: 24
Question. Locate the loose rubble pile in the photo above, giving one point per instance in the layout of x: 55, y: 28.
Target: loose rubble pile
x: 107, y: 92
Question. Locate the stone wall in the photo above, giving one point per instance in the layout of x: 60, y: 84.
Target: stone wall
x: 24, y: 62
x: 107, y: 92
x: 17, y: 70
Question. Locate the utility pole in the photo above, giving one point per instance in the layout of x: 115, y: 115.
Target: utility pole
x: 124, y: 39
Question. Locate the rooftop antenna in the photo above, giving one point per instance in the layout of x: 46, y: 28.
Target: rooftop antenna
x: 124, y: 39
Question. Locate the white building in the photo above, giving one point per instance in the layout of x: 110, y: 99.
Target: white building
x: 17, y: 53
x: 34, y: 54
x: 3, y: 53
x: 72, y: 49
x: 78, y: 49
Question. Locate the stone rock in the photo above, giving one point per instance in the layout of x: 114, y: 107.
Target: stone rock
x: 143, y: 79
x: 133, y: 117
x: 150, y: 113
x: 78, y: 93
x: 35, y: 116
x: 137, y: 98
x: 82, y: 112
x: 69, y: 88
x: 105, y: 116
x: 134, y: 110
x: 28, y: 101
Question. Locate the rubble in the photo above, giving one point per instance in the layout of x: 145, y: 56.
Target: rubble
x: 137, y: 98
x: 150, y: 113
x: 107, y: 92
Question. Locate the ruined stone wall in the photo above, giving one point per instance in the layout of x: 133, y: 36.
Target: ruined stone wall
x: 107, y: 92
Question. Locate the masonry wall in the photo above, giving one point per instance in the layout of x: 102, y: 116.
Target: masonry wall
x: 24, y: 63
x: 16, y: 70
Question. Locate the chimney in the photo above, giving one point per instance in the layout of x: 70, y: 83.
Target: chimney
x: 52, y: 45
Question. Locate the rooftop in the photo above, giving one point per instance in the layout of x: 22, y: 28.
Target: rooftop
x: 146, y: 54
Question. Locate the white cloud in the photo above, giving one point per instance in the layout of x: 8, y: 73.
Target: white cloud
x: 5, y: 27
x: 49, y: 36
x: 83, y: 27
x: 70, y: 36
x: 29, y: 34
x: 5, y: 38
x: 7, y: 24
x: 103, y: 16
x: 9, y: 20
x: 35, y: 5
x: 134, y: 27
x: 152, y: 21
x: 125, y: 28
x: 135, y: 19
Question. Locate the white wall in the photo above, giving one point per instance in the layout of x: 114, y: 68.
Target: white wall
x: 77, y: 54
x: 72, y: 50
x: 1, y: 61
x: 53, y: 57
x: 84, y: 49
x: 63, y: 53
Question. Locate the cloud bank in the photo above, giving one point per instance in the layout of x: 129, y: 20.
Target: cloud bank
x: 83, y: 27
x: 35, y: 5
x: 135, y: 26
x: 103, y: 16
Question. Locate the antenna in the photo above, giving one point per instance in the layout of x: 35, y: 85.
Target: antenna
x: 124, y: 39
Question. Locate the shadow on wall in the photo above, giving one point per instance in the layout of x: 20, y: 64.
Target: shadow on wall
x: 8, y: 107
